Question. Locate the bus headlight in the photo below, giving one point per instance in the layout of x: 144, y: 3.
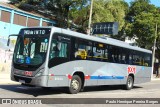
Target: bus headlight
x: 39, y: 73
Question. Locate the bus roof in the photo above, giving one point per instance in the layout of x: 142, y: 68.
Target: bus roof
x: 107, y: 40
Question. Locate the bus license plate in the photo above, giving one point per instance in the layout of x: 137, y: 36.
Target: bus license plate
x: 21, y: 81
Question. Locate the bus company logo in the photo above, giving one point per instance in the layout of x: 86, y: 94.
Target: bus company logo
x: 131, y: 69
x: 6, y: 101
x: 28, y: 73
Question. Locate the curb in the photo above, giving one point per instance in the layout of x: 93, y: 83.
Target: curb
x: 155, y: 79
x: 5, y: 79
x: 10, y: 83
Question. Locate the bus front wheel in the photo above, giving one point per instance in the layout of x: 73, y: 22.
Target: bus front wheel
x: 129, y: 83
x: 75, y: 85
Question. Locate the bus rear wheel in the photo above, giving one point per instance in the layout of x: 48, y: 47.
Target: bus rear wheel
x: 75, y: 85
x: 129, y: 83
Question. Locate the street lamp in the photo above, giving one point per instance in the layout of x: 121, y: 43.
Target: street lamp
x: 153, y: 53
x: 90, y: 18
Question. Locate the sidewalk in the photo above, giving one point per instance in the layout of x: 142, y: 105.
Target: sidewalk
x: 5, y: 78
x: 155, y: 78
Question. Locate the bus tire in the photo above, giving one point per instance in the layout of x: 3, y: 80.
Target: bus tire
x: 129, y: 83
x: 75, y: 85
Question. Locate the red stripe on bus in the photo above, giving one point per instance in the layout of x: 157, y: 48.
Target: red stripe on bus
x: 69, y: 77
x: 52, y: 74
x: 87, y: 77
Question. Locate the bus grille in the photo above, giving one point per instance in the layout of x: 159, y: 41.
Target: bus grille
x: 27, y: 80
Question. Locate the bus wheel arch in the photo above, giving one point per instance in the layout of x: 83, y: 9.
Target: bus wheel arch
x: 129, y: 82
x: 77, y: 79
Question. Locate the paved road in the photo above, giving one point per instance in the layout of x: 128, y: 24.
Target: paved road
x: 146, y: 90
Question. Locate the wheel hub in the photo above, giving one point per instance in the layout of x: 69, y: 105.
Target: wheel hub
x: 129, y: 83
x: 75, y: 84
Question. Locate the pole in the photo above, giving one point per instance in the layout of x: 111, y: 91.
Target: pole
x: 153, y: 53
x: 90, y: 18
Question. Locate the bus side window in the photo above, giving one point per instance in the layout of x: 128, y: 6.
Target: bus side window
x: 99, y: 52
x: 123, y: 60
x: 53, y: 50
x: 147, y: 60
x: 138, y: 60
x: 113, y: 59
x: 130, y: 61
x: 106, y: 54
x: 83, y: 49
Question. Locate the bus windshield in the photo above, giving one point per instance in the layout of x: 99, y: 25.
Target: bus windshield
x: 31, y: 50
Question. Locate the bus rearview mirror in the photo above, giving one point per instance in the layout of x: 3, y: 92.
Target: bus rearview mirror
x: 8, y: 42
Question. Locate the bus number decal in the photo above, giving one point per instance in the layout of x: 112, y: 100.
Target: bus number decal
x: 28, y: 73
x: 131, y: 69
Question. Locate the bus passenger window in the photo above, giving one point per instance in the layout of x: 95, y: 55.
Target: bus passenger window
x: 106, y: 55
x: 130, y: 60
x: 147, y: 60
x: 83, y: 50
x: 53, y: 50
x: 113, y: 59
x: 80, y: 54
x: 123, y: 61
x: 58, y: 49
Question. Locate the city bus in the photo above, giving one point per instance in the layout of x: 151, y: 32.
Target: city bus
x: 54, y: 57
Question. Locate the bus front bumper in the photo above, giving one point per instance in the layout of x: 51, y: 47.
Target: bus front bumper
x: 33, y: 81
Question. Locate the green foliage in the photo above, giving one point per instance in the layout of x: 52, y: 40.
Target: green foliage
x: 59, y: 9
x: 103, y: 11
x: 143, y: 26
x: 110, y: 11
x: 139, y: 6
x: 80, y: 17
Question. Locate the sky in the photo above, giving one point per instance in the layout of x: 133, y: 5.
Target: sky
x: 155, y: 2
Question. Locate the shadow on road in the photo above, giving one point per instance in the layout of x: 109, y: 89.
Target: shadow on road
x: 107, y: 88
x: 35, y: 91
x: 38, y: 91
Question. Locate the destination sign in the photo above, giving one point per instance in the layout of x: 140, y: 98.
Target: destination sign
x: 35, y: 31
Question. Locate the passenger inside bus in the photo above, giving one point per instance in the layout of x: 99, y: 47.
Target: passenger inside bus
x: 123, y: 61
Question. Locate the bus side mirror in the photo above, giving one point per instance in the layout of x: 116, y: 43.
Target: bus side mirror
x: 8, y: 42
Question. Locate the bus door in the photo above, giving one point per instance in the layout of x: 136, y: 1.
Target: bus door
x: 59, y: 54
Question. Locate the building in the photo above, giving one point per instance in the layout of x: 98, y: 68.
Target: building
x: 13, y: 19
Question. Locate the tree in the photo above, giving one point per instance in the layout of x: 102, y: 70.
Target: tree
x: 103, y: 11
x: 111, y: 11
x: 146, y: 17
x: 77, y: 11
x: 143, y: 26
x: 157, y: 17
x: 58, y: 9
x: 80, y: 16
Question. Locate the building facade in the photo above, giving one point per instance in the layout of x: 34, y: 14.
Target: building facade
x: 12, y: 20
